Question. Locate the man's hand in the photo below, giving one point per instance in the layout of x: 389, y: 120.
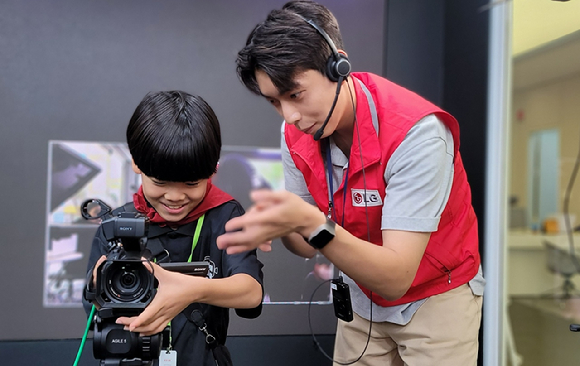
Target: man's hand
x: 274, y: 214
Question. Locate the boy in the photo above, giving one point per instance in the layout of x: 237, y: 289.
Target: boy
x: 174, y: 140
x: 375, y: 183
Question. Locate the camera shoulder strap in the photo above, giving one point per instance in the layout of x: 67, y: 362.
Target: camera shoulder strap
x: 194, y: 314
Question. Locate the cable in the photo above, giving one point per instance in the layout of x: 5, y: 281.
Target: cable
x: 566, y: 210
x: 361, y: 164
x: 84, y: 339
x: 317, y: 344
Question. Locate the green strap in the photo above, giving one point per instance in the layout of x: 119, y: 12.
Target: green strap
x: 193, y: 245
x: 196, y: 235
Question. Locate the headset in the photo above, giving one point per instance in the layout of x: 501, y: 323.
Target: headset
x: 337, y: 69
x: 338, y: 66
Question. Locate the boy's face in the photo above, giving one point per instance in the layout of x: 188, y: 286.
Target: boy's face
x: 172, y: 200
x: 307, y: 105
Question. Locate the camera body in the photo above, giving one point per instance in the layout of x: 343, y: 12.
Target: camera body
x: 124, y: 287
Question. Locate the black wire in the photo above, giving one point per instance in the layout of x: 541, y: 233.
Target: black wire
x: 366, y: 205
x: 317, y: 344
x: 566, y: 208
x: 361, y: 164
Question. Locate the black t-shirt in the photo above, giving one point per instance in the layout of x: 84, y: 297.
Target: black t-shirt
x: 187, y: 339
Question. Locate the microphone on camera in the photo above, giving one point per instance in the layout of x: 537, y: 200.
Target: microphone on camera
x: 320, y: 131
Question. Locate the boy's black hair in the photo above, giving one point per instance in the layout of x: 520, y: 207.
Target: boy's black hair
x: 284, y: 45
x: 174, y: 136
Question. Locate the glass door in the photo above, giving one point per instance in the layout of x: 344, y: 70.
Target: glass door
x: 542, y: 232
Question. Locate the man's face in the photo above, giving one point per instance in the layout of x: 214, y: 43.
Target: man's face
x: 172, y: 200
x: 305, y: 106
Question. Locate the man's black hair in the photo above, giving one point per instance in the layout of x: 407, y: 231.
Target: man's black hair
x: 174, y: 136
x: 284, y: 45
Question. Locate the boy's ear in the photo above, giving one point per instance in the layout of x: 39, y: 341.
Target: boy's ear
x: 135, y: 167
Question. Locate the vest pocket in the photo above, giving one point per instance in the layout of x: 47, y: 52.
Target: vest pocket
x: 432, y: 268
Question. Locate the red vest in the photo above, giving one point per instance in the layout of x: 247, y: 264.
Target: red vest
x: 452, y: 256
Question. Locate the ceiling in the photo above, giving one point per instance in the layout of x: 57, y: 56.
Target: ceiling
x: 546, y: 40
x: 538, y: 22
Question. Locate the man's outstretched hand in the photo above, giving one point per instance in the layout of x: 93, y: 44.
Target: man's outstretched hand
x: 273, y: 215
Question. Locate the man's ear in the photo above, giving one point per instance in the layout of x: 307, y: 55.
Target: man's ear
x: 135, y: 167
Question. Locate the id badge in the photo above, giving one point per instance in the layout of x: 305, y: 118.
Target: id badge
x: 168, y: 358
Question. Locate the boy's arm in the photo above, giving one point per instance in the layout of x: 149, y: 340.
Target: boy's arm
x: 177, y: 291
x: 240, y: 288
x: 240, y: 291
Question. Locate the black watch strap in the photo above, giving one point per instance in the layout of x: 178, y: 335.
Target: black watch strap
x: 322, y: 235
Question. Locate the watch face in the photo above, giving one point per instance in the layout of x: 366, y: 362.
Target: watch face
x: 323, y: 234
x: 321, y: 239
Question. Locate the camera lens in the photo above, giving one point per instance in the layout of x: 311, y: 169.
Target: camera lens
x: 128, y: 279
x: 128, y: 282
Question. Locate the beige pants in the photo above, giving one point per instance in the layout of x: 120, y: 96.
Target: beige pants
x: 444, y: 331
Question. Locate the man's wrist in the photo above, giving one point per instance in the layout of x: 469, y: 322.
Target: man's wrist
x: 322, y: 234
x: 312, y: 223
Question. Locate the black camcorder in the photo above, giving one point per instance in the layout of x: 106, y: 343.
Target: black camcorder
x: 124, y: 287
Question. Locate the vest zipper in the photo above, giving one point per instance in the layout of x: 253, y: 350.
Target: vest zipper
x: 445, y: 269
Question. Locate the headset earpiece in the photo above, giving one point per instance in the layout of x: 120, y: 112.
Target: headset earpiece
x: 337, y: 70
x: 338, y: 66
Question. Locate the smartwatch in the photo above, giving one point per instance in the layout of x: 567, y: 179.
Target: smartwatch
x: 322, y: 235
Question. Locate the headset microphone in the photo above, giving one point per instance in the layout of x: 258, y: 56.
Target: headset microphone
x: 337, y: 69
x: 320, y: 131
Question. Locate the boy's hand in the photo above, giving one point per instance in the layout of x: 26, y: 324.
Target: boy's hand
x: 95, y: 268
x: 169, y: 301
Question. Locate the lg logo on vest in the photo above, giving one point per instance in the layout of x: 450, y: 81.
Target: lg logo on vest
x: 371, y: 197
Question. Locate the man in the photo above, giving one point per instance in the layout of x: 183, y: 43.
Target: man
x: 374, y: 182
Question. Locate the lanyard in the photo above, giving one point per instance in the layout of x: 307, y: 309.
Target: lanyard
x: 375, y: 121
x: 331, y: 208
x: 193, y: 245
x: 196, y: 236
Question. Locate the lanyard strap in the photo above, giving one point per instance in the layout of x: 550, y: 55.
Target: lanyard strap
x: 193, y: 245
x: 375, y: 121
x: 331, y: 208
x: 196, y: 236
